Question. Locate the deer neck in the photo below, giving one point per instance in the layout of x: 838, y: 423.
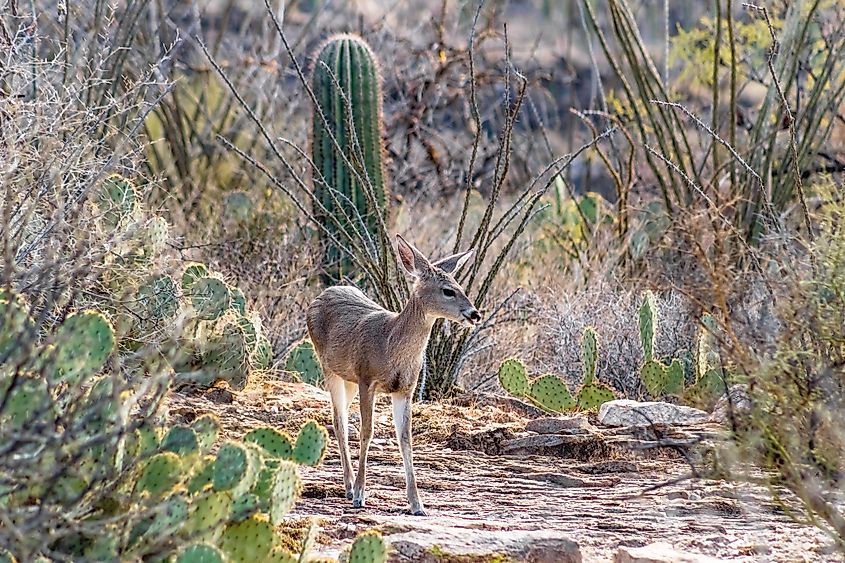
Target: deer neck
x: 412, y: 327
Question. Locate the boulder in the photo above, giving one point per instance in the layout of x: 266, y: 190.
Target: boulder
x: 440, y: 544
x: 659, y: 552
x: 558, y: 425
x: 625, y: 412
x: 739, y: 403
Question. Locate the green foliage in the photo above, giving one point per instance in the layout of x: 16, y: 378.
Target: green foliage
x: 160, y: 474
x: 206, y: 427
x: 549, y: 392
x: 654, y: 376
x: 250, y: 540
x: 274, y: 443
x: 210, y: 298
x: 302, y: 359
x: 355, y: 198
x: 589, y: 354
x: 116, y: 200
x: 368, y: 547
x: 648, y: 324
x: 200, y: 553
x: 514, y: 378
x: 84, y: 342
x: 593, y: 395
x: 311, y: 444
x: 193, y: 271
x: 181, y: 440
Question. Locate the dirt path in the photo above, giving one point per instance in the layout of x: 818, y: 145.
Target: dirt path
x: 524, y: 506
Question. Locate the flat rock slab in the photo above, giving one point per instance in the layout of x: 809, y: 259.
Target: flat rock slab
x: 625, y: 412
x: 555, y: 425
x: 437, y: 545
x: 659, y: 552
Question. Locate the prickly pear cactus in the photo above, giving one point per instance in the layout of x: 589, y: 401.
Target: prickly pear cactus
x: 551, y: 393
x: 181, y: 440
x: 262, y: 355
x: 286, y: 487
x: 234, y: 469
x: 594, y: 395
x: 161, y: 473
x: 116, y: 201
x: 158, y: 299
x: 238, y: 300
x: 248, y: 541
x: 84, y: 341
x: 675, y: 378
x: 193, y: 271
x: 368, y: 547
x: 648, y: 324
x: 302, y: 360
x: 343, y: 191
x: 206, y: 427
x: 589, y: 354
x: 274, y: 443
x: 227, y: 355
x: 654, y: 377
x: 513, y: 377
x: 208, y: 513
x: 200, y: 553
x: 311, y: 443
x: 209, y: 297
x: 16, y: 327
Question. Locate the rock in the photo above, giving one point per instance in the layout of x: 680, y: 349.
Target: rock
x: 440, y: 544
x: 624, y: 412
x: 740, y: 403
x: 554, y: 425
x: 659, y: 553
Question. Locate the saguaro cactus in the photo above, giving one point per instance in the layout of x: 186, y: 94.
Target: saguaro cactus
x: 346, y: 144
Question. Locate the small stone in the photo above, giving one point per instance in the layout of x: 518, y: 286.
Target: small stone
x: 659, y: 552
x: 678, y: 495
x: 555, y: 425
x: 625, y: 412
x: 739, y: 404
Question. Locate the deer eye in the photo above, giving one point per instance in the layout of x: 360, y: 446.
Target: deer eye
x: 448, y: 292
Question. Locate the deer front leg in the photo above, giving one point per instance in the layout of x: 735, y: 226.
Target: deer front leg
x: 367, y: 402
x: 341, y: 397
x: 402, y: 422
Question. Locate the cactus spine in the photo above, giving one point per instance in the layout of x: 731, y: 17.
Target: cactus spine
x: 346, y: 80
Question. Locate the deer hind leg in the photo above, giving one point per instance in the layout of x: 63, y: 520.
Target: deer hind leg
x: 368, y: 401
x: 402, y: 422
x: 341, y: 397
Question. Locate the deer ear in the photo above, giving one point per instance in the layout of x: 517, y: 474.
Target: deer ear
x: 453, y: 263
x: 412, y: 259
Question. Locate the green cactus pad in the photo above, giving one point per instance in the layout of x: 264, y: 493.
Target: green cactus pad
x: 707, y: 349
x: 251, y: 327
x: 116, y: 200
x: 274, y: 443
x: 28, y: 399
x: 181, y: 440
x: 654, y: 377
x: 262, y: 355
x: 707, y: 389
x: 368, y: 547
x: 303, y: 360
x: 648, y: 324
x: 589, y: 354
x: 169, y: 518
x: 238, y: 300
x: 210, y: 298
x: 6, y: 557
x: 551, y: 393
x: 248, y: 541
x: 206, y: 427
x: 514, y: 378
x: 84, y: 341
x: 234, y: 469
x: 148, y: 440
x: 158, y: 298
x: 193, y: 272
x: 227, y: 355
x: 675, y: 378
x: 286, y: 489
x: 16, y: 328
x: 245, y: 506
x: 592, y: 396
x: 263, y: 486
x: 200, y: 553
x: 311, y: 443
x: 208, y: 514
x: 280, y: 555
x: 202, y: 477
x: 161, y: 473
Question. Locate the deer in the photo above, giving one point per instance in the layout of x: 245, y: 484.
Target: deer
x: 365, y: 349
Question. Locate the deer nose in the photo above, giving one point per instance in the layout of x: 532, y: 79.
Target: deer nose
x: 473, y: 316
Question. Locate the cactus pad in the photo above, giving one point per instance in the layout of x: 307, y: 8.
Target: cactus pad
x: 193, y: 272
x: 286, y: 488
x: 208, y: 513
x: 16, y: 327
x: 206, y: 427
x: 233, y: 469
x: 210, y: 298
x: 274, y: 443
x: 251, y: 327
x: 181, y: 440
x: 245, y: 506
x: 654, y: 377
x: 248, y: 541
x: 311, y: 444
x: 238, y: 300
x: 368, y: 547
x: 116, y: 200
x: 513, y: 377
x: 170, y: 515
x: 161, y: 473
x: 675, y: 378
x: 28, y: 399
x: 84, y: 342
x: 280, y: 555
x: 200, y: 553
x: 303, y: 360
x: 589, y: 354
x: 551, y: 393
x: 648, y: 324
x: 158, y: 298
x: 227, y: 355
x: 202, y: 477
x: 592, y: 396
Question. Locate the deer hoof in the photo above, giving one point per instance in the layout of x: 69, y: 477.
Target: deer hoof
x: 348, y: 495
x: 358, y: 503
x: 419, y: 512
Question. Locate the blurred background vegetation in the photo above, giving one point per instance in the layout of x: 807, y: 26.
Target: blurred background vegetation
x: 590, y: 149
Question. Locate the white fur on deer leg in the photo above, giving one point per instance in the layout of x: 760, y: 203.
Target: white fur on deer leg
x: 363, y: 346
